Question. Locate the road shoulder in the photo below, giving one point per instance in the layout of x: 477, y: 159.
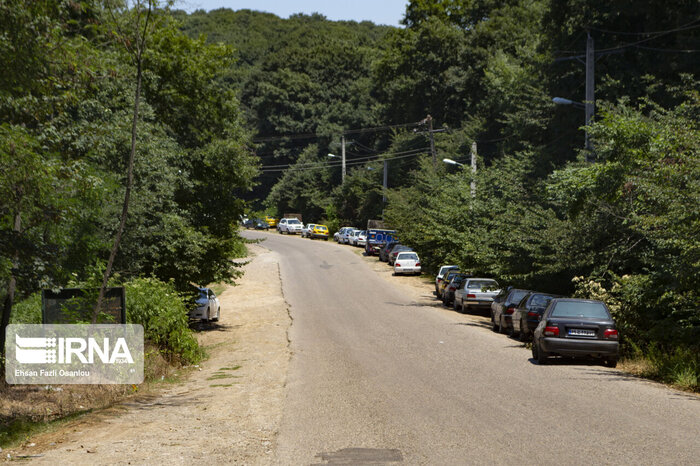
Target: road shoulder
x: 228, y: 410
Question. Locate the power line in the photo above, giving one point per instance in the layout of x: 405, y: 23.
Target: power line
x: 320, y: 165
x: 656, y: 35
x: 351, y: 131
x: 625, y: 33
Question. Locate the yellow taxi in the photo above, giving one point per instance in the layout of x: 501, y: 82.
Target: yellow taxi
x: 272, y: 221
x: 319, y: 231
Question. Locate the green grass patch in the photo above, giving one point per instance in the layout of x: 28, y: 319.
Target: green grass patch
x: 224, y: 384
x: 14, y: 432
x: 234, y: 368
x: 220, y: 375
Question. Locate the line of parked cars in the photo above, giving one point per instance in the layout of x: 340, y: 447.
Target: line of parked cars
x: 403, y: 259
x: 556, y: 325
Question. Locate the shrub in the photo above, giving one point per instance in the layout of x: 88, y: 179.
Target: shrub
x: 162, y: 311
x: 27, y: 311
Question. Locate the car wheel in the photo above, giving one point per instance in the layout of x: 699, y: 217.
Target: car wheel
x: 494, y: 326
x: 540, y: 356
x: 612, y: 362
x: 522, y: 336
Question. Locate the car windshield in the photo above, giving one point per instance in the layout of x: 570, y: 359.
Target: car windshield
x: 408, y: 256
x: 580, y: 309
x: 481, y: 284
x: 293, y: 221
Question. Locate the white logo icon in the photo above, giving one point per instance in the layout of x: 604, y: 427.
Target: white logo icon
x: 35, y: 350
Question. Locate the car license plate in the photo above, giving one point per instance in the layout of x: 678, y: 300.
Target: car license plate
x: 581, y: 332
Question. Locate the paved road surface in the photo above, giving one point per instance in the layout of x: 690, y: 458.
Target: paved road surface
x: 376, y: 378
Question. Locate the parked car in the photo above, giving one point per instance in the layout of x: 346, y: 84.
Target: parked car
x: 576, y: 328
x: 207, y: 306
x: 361, y: 238
x: 475, y: 293
x: 440, y: 275
x: 256, y: 223
x: 289, y: 226
x: 319, y: 231
x: 449, y: 275
x: 503, y: 307
x: 527, y: 315
x: 347, y: 234
x: 448, y: 293
x: 272, y: 221
x: 384, y: 251
x: 336, y: 235
x: 407, y: 262
x: 306, y: 231
x: 395, y: 252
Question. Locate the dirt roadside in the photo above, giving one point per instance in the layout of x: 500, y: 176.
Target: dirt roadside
x: 226, y: 411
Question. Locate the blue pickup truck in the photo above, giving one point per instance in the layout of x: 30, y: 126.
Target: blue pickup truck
x: 376, y: 237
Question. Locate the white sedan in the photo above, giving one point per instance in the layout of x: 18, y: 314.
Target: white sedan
x: 407, y: 262
x: 208, y: 308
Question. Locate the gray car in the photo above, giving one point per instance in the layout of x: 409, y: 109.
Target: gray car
x: 576, y: 328
x: 475, y: 293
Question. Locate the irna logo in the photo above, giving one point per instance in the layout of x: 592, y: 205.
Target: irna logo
x: 68, y: 350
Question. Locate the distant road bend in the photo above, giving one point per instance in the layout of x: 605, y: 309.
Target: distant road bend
x: 377, y: 378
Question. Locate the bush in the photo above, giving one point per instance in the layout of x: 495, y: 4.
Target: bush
x: 27, y: 311
x: 162, y: 311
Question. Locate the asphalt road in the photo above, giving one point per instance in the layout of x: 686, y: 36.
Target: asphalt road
x: 377, y: 378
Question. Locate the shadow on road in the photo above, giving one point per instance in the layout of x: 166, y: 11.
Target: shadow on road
x: 202, y: 326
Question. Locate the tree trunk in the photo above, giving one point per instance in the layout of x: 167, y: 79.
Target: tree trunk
x: 11, y: 287
x: 127, y: 194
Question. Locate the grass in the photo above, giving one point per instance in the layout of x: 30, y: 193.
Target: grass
x: 224, y: 385
x: 14, y: 432
x: 234, y: 368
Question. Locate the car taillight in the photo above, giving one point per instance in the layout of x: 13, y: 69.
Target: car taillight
x: 610, y: 333
x: 471, y: 295
x: 417, y: 264
x: 551, y: 331
x: 510, y: 310
x: 533, y: 314
x: 452, y: 288
x: 397, y: 264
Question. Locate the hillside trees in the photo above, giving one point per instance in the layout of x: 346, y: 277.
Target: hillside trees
x: 67, y: 113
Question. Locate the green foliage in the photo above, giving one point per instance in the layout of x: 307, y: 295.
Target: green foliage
x: 27, y: 311
x: 162, y: 311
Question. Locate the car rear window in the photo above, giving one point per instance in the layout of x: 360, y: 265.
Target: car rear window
x: 580, y: 309
x: 540, y: 300
x: 407, y: 256
x: 516, y: 296
x: 480, y: 284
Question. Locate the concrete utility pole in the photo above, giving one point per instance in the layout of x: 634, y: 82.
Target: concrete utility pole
x: 473, y: 183
x: 590, y: 93
x: 343, y: 159
x: 386, y: 179
x: 429, y: 119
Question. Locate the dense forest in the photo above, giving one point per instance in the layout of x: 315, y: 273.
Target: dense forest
x: 240, y: 109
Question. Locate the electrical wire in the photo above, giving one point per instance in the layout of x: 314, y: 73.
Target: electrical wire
x: 685, y: 27
x: 350, y: 131
x: 625, y: 33
x: 321, y: 165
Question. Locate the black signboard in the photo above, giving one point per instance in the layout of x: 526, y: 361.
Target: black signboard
x: 76, y: 305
